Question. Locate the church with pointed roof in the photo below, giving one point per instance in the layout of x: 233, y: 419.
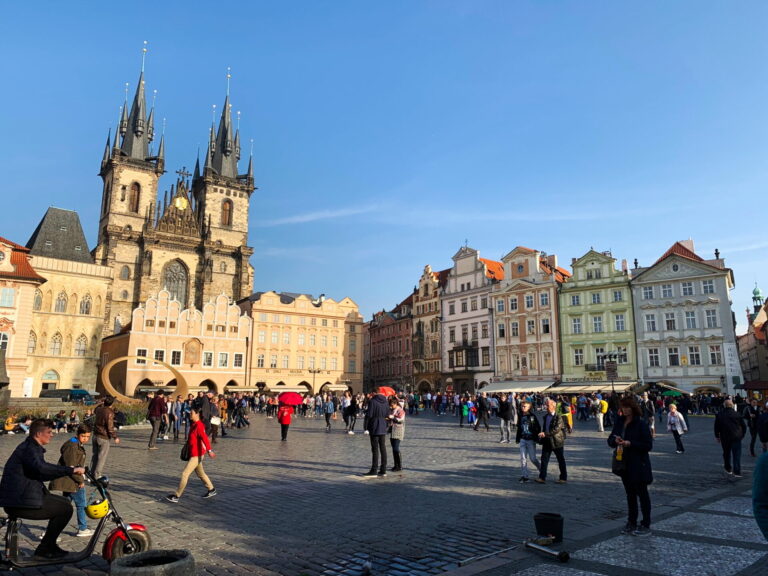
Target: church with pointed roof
x: 192, y: 241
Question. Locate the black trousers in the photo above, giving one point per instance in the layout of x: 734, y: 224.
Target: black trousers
x: 637, y: 491
x: 560, y: 455
x: 378, y: 446
x: 56, y: 509
x: 155, y: 421
x: 284, y: 431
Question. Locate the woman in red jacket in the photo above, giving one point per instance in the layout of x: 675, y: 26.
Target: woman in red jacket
x: 198, y: 447
x: 284, y: 417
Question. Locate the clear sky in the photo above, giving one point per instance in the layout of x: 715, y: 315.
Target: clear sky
x: 386, y: 134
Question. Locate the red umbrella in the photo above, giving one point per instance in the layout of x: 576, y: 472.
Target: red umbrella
x: 290, y: 398
x: 387, y: 391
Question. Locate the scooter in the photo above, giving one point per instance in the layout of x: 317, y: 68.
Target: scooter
x: 124, y: 539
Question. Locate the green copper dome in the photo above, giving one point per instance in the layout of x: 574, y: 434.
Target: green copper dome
x: 756, y: 292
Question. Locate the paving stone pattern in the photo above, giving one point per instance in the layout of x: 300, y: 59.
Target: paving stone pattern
x: 302, y: 508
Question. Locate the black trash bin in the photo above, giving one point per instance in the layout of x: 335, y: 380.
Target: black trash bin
x: 549, y: 524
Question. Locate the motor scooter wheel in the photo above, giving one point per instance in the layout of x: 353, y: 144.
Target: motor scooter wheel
x: 142, y: 543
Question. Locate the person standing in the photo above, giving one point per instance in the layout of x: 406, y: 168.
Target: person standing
x: 760, y: 494
x: 353, y: 407
x: 156, y: 413
x: 602, y: 410
x: 649, y: 413
x: 528, y: 429
x: 632, y: 437
x: 396, y: 431
x: 177, y: 413
x: 103, y: 431
x: 73, y: 486
x: 729, y: 430
x: 199, y: 446
x: 751, y: 414
x: 284, y: 418
x: 329, y: 408
x: 552, y: 437
x: 377, y: 413
x: 676, y: 424
x: 505, y: 419
x: 483, y: 411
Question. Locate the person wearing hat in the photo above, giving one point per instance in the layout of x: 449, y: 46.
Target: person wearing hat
x: 156, y: 413
x: 528, y: 429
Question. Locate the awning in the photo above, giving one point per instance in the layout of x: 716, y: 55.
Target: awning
x: 518, y: 386
x: 566, y: 387
x: 675, y: 388
x: 279, y: 389
x: 756, y: 385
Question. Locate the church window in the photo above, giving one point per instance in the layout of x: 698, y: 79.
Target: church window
x: 54, y: 348
x: 125, y: 273
x: 226, y: 213
x: 38, y: 303
x: 32, y: 343
x: 223, y: 267
x: 124, y: 295
x: 175, y: 281
x: 85, y: 305
x: 81, y: 345
x: 61, y: 303
x: 133, y: 198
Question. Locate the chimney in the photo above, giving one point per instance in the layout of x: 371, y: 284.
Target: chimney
x: 624, y: 266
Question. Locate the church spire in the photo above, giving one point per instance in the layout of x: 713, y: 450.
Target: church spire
x: 224, y: 154
x: 137, y: 133
x: 107, y: 151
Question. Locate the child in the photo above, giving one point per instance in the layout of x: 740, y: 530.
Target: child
x: 73, y: 487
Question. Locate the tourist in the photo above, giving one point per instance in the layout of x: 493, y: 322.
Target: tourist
x: 329, y: 409
x: 631, y: 436
x: 377, y: 413
x: 73, y: 487
x: 396, y: 431
x: 103, y: 432
x: 483, y: 411
x: 676, y: 424
x: 156, y: 414
x: 199, y: 446
x: 729, y: 430
x: 284, y: 418
x: 648, y: 411
x: 552, y: 438
x: 760, y: 494
x: 74, y: 421
x: 528, y: 430
x: 751, y: 413
x: 505, y: 419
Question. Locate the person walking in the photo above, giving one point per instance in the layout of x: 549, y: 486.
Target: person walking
x: 528, y: 429
x: 378, y: 412
x: 602, y: 410
x: 483, y: 411
x: 156, y: 414
x: 505, y: 419
x: 760, y: 494
x: 729, y: 430
x: 199, y: 446
x: 353, y: 407
x: 631, y: 437
x: 552, y: 437
x: 284, y: 418
x: 649, y: 413
x: 751, y: 413
x: 396, y: 431
x: 676, y: 424
x: 103, y: 431
x: 73, y: 486
x: 329, y: 408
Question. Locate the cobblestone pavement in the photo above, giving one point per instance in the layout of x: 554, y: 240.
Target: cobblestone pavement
x: 302, y: 508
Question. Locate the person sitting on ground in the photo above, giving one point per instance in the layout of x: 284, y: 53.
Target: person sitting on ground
x: 23, y: 494
x: 22, y: 426
x: 60, y: 421
x: 10, y: 425
x: 74, y: 421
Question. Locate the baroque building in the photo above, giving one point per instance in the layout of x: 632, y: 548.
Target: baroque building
x: 391, y: 337
x: 597, y: 321
x: 193, y: 242
x: 426, y: 349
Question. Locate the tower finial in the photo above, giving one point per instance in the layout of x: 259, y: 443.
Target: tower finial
x: 229, y: 75
x: 163, y: 133
x: 143, y: 55
x: 213, y: 114
x: 251, y: 146
x: 154, y: 97
x: 238, y: 119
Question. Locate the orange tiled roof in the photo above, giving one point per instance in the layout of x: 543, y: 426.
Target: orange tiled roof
x: 441, y: 277
x: 493, y: 270
x: 20, y: 261
x: 561, y: 274
x: 680, y: 250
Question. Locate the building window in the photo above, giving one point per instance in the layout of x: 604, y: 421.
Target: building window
x: 61, y: 303
x: 352, y: 365
x: 312, y: 339
x: 134, y: 197
x: 618, y: 296
x: 513, y: 303
x: 284, y: 362
x: 708, y: 286
x: 142, y: 356
x: 125, y: 273
x: 596, y: 298
x: 575, y: 300
x: 516, y: 361
x: 311, y: 362
x: 484, y: 302
x: 263, y: 337
x: 670, y: 322
x: 485, y: 356
x: 223, y: 359
x: 160, y: 355
x: 666, y: 290
x: 600, y: 358
x: 597, y: 323
x: 324, y: 341
x: 451, y: 309
x: 514, y: 329
x: 6, y: 297
x: 54, y: 348
x: 286, y: 338
x: 578, y: 356
x: 622, y: 356
x: 334, y: 363
x: 653, y: 357
x: 81, y: 345
x: 473, y: 304
x: 694, y: 356
x: 502, y: 332
x: 529, y: 300
x: 500, y: 305
x: 273, y: 361
x: 300, y: 362
x: 687, y: 288
x: 673, y: 355
x: 464, y: 332
x: 544, y: 299
x: 532, y: 361
x: 260, y: 361
x: 711, y: 316
x: 715, y: 354
x: 546, y: 360
x: 545, y: 325
x: 647, y: 292
x: 690, y: 320
x: 484, y: 330
x: 85, y: 305
x: 226, y: 213
x: 463, y: 305
x: 650, y: 323
x: 176, y: 358
x: 38, y: 303
x: 238, y: 361
x: 452, y: 335
x: 323, y: 364
x: 274, y: 337
x: 531, y: 327
x: 31, y: 343
x: 176, y: 281
x: 618, y: 320
x: 474, y: 332
x: 576, y: 325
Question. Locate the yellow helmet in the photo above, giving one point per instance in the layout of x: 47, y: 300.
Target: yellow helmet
x: 97, y: 509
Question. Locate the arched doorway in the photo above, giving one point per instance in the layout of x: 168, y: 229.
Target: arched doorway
x: 210, y: 385
x: 50, y: 380
x: 423, y: 387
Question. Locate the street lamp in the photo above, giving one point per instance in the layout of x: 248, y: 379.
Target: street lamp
x: 611, y: 367
x: 314, y: 371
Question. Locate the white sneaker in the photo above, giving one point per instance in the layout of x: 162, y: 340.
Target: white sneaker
x: 87, y: 533
x: 11, y: 432
x: 350, y: 432
x: 367, y: 433
x: 165, y: 437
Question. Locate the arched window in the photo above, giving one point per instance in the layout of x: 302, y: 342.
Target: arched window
x: 32, y: 343
x: 226, y: 213
x: 85, y: 305
x: 125, y: 273
x: 175, y: 280
x: 3, y: 340
x: 81, y: 345
x: 54, y: 348
x: 133, y: 198
x: 61, y: 303
x: 107, y: 199
x: 38, y: 303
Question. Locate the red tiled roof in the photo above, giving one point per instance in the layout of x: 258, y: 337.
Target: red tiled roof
x: 680, y: 250
x: 493, y: 270
x: 441, y: 277
x: 20, y: 261
x: 561, y: 274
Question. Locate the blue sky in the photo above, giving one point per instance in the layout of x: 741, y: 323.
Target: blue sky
x: 386, y: 134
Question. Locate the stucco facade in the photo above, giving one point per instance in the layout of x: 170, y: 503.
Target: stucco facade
x: 391, y: 338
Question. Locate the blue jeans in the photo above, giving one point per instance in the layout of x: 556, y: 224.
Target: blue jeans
x: 78, y: 498
x: 528, y: 453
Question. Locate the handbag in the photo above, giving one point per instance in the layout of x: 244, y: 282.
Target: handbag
x: 215, y: 420
x: 185, y: 450
x: 618, y: 467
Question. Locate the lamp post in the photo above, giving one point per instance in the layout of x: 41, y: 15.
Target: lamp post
x: 314, y: 371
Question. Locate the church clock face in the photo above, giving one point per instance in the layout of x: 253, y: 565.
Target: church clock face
x: 181, y: 203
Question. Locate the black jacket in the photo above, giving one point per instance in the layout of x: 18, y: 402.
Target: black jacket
x: 555, y: 436
x: 23, y: 476
x: 529, y: 422
x: 638, y: 462
x: 376, y: 415
x: 505, y: 410
x: 729, y: 425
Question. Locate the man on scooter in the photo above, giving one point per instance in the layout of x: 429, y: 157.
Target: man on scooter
x: 23, y: 494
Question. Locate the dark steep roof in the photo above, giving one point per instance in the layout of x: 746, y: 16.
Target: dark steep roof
x: 60, y: 235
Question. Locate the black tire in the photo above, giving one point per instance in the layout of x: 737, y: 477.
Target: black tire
x: 141, y: 540
x: 155, y: 563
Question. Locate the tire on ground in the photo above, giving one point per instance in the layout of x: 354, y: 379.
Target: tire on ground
x: 155, y: 563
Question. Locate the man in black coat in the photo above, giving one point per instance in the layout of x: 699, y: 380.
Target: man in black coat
x: 376, y: 424
x: 23, y: 494
x: 483, y: 411
x: 552, y: 438
x: 729, y: 430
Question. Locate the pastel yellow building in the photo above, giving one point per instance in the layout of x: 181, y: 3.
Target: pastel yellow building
x: 303, y: 344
